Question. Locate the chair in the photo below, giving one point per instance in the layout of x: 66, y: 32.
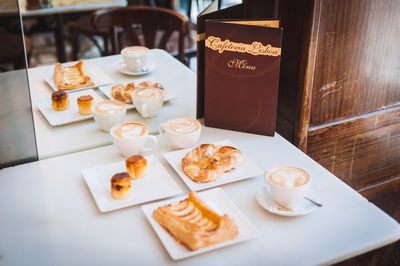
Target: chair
x: 143, y: 25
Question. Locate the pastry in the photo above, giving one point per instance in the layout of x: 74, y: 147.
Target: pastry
x: 147, y: 84
x: 194, y: 224
x: 136, y: 166
x: 122, y: 93
x: 85, y: 104
x: 121, y: 186
x: 72, y: 77
x: 59, y: 100
x: 209, y: 162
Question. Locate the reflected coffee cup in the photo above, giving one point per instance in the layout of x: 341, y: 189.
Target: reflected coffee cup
x: 108, y: 113
x: 148, y: 101
x: 181, y: 132
x: 287, y: 184
x: 135, y: 57
x: 132, y: 138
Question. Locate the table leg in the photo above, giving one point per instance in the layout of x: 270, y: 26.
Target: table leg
x: 59, y: 37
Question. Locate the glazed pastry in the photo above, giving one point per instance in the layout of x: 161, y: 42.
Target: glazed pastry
x: 121, y: 186
x: 59, y: 100
x: 72, y: 77
x: 136, y: 166
x: 85, y: 104
x: 147, y: 84
x: 209, y: 162
x: 194, y: 224
x: 122, y: 93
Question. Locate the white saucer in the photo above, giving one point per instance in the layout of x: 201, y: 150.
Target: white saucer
x: 302, y: 208
x: 121, y: 67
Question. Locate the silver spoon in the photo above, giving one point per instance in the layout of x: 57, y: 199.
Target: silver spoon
x: 314, y: 202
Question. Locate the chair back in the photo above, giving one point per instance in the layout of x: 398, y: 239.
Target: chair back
x: 154, y: 24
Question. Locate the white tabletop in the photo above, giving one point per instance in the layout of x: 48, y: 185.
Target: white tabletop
x: 53, y: 141
x: 48, y: 216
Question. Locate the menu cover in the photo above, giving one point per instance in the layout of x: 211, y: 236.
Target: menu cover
x: 241, y: 75
x: 211, y: 12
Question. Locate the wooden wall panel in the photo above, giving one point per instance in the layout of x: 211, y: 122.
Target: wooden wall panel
x: 357, y: 69
x: 363, y: 152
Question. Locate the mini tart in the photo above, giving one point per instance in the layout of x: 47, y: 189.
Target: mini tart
x: 194, y: 224
x: 136, y: 166
x: 85, y: 104
x: 121, y: 186
x: 72, y: 77
x: 59, y: 100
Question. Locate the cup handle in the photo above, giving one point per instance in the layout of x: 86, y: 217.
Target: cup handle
x: 161, y: 130
x: 154, y: 143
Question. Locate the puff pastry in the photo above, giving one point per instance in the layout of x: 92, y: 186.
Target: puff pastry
x: 123, y: 92
x: 209, y: 162
x: 194, y: 224
x: 71, y: 77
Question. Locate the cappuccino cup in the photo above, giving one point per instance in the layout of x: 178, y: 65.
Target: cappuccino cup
x: 148, y: 101
x: 135, y: 57
x: 287, y: 184
x: 132, y: 138
x: 181, y: 132
x: 108, y: 113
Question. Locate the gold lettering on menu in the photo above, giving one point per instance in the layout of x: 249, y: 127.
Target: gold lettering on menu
x: 255, y: 48
x: 240, y: 64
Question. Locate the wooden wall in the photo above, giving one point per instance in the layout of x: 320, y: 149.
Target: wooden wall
x: 340, y: 88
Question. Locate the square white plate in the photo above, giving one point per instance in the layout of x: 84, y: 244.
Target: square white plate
x: 58, y: 118
x: 220, y: 203
x: 157, y: 184
x: 99, y: 77
x: 247, y: 170
x: 169, y: 95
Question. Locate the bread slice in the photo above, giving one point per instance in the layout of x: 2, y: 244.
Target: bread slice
x: 194, y: 224
x: 72, y: 77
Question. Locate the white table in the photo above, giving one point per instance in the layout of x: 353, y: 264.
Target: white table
x: 48, y: 216
x: 53, y: 141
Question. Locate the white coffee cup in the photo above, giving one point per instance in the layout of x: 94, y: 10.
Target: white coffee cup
x: 148, y: 101
x: 108, y: 113
x: 132, y: 138
x: 181, y: 132
x: 287, y: 184
x: 135, y: 57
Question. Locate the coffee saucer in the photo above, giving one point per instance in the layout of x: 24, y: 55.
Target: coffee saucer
x: 302, y: 208
x: 122, y: 68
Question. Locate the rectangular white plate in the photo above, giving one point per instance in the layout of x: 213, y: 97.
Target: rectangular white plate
x: 247, y: 170
x: 169, y: 95
x: 99, y: 77
x: 157, y: 184
x: 70, y: 115
x: 220, y: 203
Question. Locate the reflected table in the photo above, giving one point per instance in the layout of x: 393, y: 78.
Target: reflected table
x: 172, y: 74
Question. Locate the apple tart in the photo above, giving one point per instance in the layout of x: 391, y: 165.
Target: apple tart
x: 194, y: 224
x: 71, y: 77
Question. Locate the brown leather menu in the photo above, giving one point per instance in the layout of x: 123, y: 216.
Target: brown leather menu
x: 211, y: 12
x: 241, y: 75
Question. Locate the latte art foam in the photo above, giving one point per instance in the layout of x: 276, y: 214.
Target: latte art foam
x: 135, y: 51
x: 128, y: 130
x: 148, y: 93
x: 289, y: 177
x: 183, y: 125
x: 109, y: 107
